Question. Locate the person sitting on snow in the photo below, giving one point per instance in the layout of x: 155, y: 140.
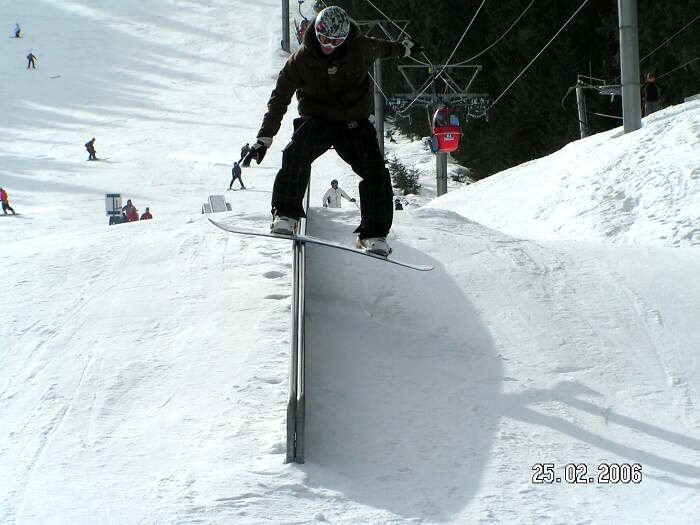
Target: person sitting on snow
x: 332, y: 197
x: 147, y: 214
x: 130, y: 211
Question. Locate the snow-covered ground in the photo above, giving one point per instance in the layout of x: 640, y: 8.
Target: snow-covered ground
x: 143, y: 367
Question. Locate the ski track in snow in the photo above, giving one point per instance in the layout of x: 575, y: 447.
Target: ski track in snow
x: 145, y: 366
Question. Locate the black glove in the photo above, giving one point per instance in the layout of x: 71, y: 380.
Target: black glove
x: 257, y: 151
x: 412, y: 47
x: 353, y: 199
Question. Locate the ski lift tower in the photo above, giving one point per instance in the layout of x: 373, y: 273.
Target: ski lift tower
x: 380, y: 27
x: 454, y: 95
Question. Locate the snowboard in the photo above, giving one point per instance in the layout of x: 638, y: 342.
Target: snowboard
x: 306, y: 239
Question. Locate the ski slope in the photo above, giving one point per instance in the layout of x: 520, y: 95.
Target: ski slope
x: 143, y: 368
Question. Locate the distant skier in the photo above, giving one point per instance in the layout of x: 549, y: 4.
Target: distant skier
x: 244, y: 151
x: 328, y: 73
x: 5, y: 202
x: 146, y: 215
x: 130, y: 211
x: 397, y: 204
x: 90, y: 147
x: 333, y: 196
x: 650, y: 95
x: 31, y: 57
x: 236, y: 174
x: 18, y: 31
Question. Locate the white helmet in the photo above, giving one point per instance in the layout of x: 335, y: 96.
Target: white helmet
x: 333, y: 22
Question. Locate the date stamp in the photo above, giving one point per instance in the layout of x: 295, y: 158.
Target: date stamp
x: 578, y: 473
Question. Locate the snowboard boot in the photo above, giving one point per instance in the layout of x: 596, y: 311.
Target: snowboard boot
x: 375, y: 245
x: 283, y: 225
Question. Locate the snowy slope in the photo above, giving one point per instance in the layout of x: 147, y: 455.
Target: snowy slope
x: 637, y: 188
x: 143, y: 372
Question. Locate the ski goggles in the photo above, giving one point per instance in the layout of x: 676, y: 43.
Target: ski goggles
x: 327, y: 41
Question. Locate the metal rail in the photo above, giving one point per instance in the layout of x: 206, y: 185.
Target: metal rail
x: 296, y: 403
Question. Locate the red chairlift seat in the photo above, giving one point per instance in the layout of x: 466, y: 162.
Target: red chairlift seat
x: 446, y: 130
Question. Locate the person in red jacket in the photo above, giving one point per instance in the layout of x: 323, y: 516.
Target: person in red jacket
x: 5, y: 202
x: 132, y: 214
x: 146, y: 215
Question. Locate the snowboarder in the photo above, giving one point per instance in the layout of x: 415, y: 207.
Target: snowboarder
x: 650, y: 95
x: 328, y: 73
x: 397, y: 204
x: 333, y: 196
x: 5, y: 202
x: 146, y: 215
x: 31, y: 57
x: 90, y: 147
x: 18, y: 30
x: 244, y: 151
x: 236, y: 174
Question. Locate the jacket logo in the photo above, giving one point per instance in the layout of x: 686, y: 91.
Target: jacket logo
x: 332, y: 70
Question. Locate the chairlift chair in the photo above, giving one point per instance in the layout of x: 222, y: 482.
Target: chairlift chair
x: 446, y: 130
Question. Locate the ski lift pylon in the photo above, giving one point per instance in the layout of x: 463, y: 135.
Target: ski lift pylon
x: 301, y: 25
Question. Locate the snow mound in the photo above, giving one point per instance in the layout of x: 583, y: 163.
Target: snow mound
x: 637, y: 188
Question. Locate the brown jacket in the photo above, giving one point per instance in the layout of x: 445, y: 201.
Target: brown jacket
x: 335, y: 87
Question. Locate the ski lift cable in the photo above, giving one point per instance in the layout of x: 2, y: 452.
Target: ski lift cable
x: 386, y: 99
x: 538, y: 54
x: 400, y: 29
x: 668, y: 40
x: 679, y: 67
x: 499, y: 38
x: 463, y: 35
x: 665, y: 42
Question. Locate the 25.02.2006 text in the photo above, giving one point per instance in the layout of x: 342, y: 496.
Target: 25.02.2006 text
x: 577, y: 473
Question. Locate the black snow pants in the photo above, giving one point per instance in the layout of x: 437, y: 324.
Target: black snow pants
x: 356, y: 143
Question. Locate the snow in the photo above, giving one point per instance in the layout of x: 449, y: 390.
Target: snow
x: 144, y: 366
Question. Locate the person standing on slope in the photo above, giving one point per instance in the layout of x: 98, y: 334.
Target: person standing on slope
x: 236, y: 174
x: 650, y: 95
x: 18, y: 31
x: 328, y: 73
x: 6, y: 202
x: 90, y: 147
x: 31, y: 57
x: 333, y: 196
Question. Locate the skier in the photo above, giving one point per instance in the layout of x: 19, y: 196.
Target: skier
x: 236, y: 174
x: 17, y: 31
x: 328, y: 73
x: 244, y: 151
x: 397, y: 204
x: 650, y: 95
x: 90, y: 147
x: 146, y: 215
x: 31, y: 57
x: 6, y: 202
x: 333, y: 196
